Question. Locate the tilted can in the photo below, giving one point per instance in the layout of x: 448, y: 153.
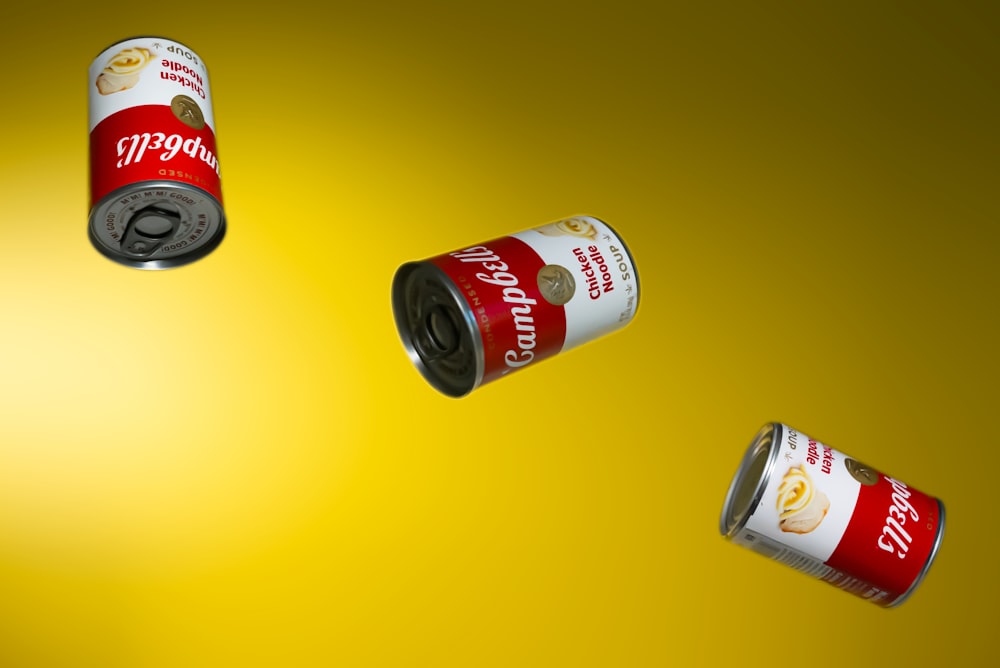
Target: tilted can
x: 813, y: 508
x: 155, y: 189
x: 474, y: 315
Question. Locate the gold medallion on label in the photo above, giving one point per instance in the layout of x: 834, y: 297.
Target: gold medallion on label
x: 860, y: 472
x: 556, y: 284
x: 187, y: 111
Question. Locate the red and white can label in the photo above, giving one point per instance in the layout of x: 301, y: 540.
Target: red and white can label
x: 540, y: 292
x: 151, y: 118
x: 830, y: 516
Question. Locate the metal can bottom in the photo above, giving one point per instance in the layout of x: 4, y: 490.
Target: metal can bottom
x: 437, y: 327
x: 157, y: 224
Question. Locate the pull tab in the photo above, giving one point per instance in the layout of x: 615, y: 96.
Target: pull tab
x: 148, y: 229
x: 437, y: 336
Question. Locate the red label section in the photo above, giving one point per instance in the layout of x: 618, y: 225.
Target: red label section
x: 499, y: 280
x: 149, y: 143
x: 890, y: 537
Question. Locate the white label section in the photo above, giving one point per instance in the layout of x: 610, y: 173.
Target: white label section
x: 809, y: 498
x: 605, y: 287
x: 146, y: 70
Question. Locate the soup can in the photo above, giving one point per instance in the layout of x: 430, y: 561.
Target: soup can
x: 155, y: 186
x: 817, y: 510
x: 474, y: 315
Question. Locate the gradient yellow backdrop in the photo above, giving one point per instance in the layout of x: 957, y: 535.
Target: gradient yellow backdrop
x: 233, y: 463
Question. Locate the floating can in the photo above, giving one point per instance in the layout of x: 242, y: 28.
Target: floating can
x: 813, y: 508
x: 155, y: 190
x: 474, y: 315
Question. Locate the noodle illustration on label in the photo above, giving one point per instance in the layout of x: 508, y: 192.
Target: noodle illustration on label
x: 801, y: 507
x: 122, y: 71
x: 573, y: 227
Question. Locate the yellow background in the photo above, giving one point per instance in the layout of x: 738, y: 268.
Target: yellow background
x: 234, y: 463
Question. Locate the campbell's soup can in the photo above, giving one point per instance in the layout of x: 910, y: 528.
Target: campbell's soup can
x: 813, y: 508
x: 476, y: 314
x: 155, y: 189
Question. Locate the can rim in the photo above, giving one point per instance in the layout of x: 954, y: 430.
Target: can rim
x: 930, y: 558
x: 747, y: 486
x: 432, y: 373
x: 143, y: 36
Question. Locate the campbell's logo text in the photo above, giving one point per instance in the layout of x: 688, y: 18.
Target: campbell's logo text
x: 496, y: 273
x: 133, y: 148
x: 894, y: 539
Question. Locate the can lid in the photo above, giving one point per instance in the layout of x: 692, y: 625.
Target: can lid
x: 157, y: 224
x: 751, y: 477
x: 437, y: 328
